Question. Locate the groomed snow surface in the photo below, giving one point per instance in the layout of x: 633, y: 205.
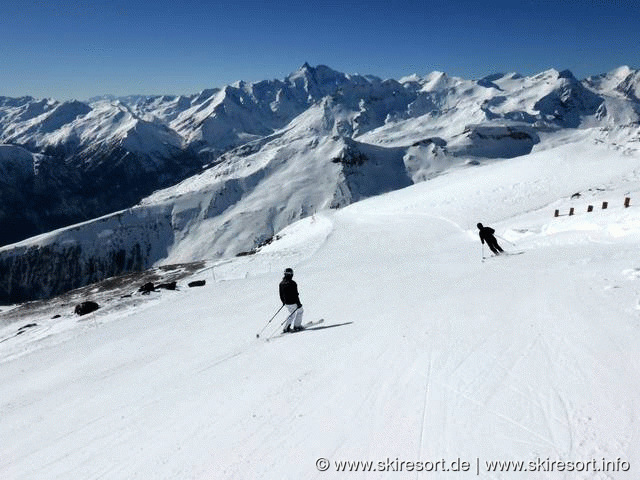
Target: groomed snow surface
x: 426, y: 353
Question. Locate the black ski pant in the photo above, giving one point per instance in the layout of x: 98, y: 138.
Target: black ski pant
x: 493, y: 245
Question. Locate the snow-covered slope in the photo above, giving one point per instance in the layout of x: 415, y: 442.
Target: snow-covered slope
x: 317, y: 139
x: 244, y: 201
x: 426, y: 353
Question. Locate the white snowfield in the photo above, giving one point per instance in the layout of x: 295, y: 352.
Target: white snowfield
x: 427, y: 353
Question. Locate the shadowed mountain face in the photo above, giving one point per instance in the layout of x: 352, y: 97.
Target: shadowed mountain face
x: 78, y: 162
x: 48, y: 192
x: 239, y: 163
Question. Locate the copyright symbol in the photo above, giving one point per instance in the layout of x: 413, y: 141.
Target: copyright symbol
x: 322, y: 464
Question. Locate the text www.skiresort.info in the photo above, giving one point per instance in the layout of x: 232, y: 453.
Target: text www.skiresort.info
x: 475, y: 466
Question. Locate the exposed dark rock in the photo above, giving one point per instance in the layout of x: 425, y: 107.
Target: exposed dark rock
x: 147, y: 288
x: 23, y: 329
x: 350, y: 157
x: 259, y: 245
x: 36, y: 272
x: 86, y: 307
x: 168, y: 286
x: 197, y: 283
x: 440, y: 142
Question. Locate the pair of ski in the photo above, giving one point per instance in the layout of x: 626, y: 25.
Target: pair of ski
x: 503, y: 254
x: 304, y: 327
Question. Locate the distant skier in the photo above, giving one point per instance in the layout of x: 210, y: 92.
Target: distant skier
x: 486, y: 235
x: 290, y: 298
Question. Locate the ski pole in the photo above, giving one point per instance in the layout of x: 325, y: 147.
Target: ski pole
x: 258, y: 334
x: 506, y: 240
x: 282, y: 323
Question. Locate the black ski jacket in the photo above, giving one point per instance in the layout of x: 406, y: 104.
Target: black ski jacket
x: 289, y: 292
x: 486, y: 234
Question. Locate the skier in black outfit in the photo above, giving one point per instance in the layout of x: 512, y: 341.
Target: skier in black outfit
x: 486, y: 235
x: 290, y: 298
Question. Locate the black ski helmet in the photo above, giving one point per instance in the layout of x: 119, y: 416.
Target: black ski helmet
x: 288, y: 272
x: 479, y: 225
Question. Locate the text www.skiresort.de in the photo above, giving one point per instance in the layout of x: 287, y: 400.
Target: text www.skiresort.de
x: 476, y: 466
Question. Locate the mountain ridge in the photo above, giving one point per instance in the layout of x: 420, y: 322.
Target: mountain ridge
x: 267, y: 153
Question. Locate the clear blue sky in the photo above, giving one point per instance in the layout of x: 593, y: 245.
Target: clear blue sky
x: 77, y: 49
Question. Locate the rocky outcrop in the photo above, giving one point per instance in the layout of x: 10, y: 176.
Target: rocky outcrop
x: 124, y: 242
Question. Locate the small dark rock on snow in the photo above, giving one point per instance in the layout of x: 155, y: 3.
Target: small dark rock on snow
x: 197, y: 283
x: 86, y: 307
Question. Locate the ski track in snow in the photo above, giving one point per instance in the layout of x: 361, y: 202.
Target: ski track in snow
x: 432, y: 354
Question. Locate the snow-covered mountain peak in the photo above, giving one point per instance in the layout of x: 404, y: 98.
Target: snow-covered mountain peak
x: 414, y: 78
x: 439, y: 81
x: 610, y: 80
x: 622, y: 71
x: 620, y: 82
x: 568, y: 74
x: 318, y: 81
x: 549, y: 74
x: 551, y: 79
x: 307, y: 72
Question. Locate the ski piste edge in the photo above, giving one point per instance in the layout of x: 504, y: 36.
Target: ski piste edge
x: 304, y: 327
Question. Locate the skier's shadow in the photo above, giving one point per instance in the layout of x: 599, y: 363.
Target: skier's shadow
x: 324, y: 327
